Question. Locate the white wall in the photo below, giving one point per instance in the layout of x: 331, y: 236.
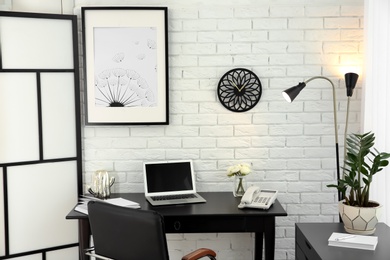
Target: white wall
x: 291, y: 146
x: 43, y: 6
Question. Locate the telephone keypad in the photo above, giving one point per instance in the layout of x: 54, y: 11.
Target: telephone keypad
x: 263, y: 200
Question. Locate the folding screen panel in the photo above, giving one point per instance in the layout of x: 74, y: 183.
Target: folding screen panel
x: 40, y: 136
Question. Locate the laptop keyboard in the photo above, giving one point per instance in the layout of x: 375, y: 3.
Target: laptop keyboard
x: 174, y: 197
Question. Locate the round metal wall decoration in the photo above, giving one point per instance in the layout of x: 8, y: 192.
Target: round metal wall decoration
x: 239, y: 90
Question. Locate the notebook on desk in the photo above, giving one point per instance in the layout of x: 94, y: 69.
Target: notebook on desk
x: 170, y: 182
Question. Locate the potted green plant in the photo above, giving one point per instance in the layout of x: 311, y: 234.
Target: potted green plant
x: 359, y: 213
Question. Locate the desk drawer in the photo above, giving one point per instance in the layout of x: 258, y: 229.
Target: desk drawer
x: 209, y: 225
x: 304, y: 245
x: 299, y: 255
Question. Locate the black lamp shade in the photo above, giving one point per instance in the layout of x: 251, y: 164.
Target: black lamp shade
x: 291, y: 93
x: 350, y: 82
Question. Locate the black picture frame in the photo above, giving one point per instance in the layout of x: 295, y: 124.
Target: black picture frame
x: 126, y: 65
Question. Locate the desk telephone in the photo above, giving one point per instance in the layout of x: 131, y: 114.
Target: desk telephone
x: 258, y: 198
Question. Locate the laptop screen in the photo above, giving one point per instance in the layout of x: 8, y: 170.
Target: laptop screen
x: 168, y: 177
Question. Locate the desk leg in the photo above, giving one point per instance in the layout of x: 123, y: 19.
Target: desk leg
x: 84, y: 238
x: 269, y: 237
x: 258, y: 245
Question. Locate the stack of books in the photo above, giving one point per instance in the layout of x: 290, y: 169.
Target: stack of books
x: 353, y: 241
x: 83, y: 203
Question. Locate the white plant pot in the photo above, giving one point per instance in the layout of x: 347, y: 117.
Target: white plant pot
x: 360, y: 220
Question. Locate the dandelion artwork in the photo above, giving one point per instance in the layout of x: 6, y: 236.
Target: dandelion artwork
x: 125, y: 63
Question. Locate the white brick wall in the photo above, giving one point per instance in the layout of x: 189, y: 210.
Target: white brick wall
x: 291, y: 146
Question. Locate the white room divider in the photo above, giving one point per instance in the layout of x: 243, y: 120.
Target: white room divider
x: 40, y: 135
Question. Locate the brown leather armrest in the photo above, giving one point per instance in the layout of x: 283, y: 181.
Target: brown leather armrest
x: 199, y: 253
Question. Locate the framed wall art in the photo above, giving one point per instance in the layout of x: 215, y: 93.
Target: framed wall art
x: 126, y: 65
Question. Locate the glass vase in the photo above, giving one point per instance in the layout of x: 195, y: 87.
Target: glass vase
x: 239, y: 187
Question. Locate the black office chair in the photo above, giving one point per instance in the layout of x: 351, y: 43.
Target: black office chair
x: 122, y: 233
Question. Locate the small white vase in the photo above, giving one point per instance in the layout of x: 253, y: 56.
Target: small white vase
x: 239, y: 186
x: 360, y: 220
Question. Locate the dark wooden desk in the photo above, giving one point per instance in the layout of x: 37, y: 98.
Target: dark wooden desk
x: 219, y: 214
x: 312, y: 243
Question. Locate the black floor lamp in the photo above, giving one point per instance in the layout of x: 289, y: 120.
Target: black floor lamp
x: 350, y: 83
x: 291, y: 93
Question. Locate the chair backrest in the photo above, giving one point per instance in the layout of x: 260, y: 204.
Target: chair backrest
x: 124, y: 233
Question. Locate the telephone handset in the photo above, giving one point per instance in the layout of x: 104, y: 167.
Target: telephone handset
x: 257, y: 198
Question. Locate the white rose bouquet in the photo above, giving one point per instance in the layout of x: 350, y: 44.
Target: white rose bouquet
x: 241, y: 169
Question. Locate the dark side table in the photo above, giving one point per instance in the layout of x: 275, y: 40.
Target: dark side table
x: 219, y: 214
x: 311, y: 243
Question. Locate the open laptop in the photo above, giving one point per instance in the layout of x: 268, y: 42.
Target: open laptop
x: 170, y: 183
